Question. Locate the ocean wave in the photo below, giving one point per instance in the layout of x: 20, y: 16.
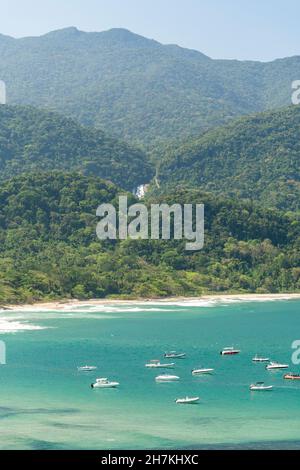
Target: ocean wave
x: 192, y: 303
x: 12, y: 326
x: 127, y: 308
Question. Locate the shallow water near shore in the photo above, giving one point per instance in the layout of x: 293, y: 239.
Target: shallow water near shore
x: 45, y: 403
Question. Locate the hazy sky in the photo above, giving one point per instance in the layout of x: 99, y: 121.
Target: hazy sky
x: 241, y: 29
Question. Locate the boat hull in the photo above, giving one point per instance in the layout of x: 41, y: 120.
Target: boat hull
x: 276, y: 367
x: 175, y: 356
x: 262, y: 389
x: 112, y: 385
x: 159, y: 366
x: 171, y: 378
x: 202, y: 371
x: 189, y: 401
x: 229, y: 353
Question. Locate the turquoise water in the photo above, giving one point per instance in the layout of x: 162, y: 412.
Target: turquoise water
x: 46, y: 404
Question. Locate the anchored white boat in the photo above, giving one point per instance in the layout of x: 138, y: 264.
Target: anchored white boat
x: 291, y: 376
x: 260, y: 387
x: 174, y: 355
x: 202, y: 371
x: 104, y: 383
x: 229, y: 351
x: 156, y: 364
x: 187, y: 400
x: 257, y: 358
x: 86, y: 368
x: 276, y: 365
x: 167, y: 378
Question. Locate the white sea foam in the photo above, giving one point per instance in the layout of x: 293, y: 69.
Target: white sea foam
x: 112, y: 308
x: 215, y: 302
x: 185, y: 304
x: 83, y: 316
x: 36, y: 315
x: 107, y: 310
x: 11, y: 326
x: 129, y: 308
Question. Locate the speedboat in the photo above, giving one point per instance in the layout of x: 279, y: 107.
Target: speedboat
x: 156, y: 364
x: 187, y: 400
x: 229, y: 351
x: 202, y: 371
x: 174, y: 355
x: 104, y: 383
x: 290, y: 376
x: 260, y: 387
x: 167, y: 378
x: 260, y: 359
x: 86, y: 368
x: 276, y: 365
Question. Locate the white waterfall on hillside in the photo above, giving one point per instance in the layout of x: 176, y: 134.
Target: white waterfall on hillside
x: 141, y: 190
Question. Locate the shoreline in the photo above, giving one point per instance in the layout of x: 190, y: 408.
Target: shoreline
x: 63, y: 304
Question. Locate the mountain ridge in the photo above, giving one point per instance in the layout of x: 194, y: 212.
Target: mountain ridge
x: 123, y: 32
x: 254, y: 157
x: 138, y: 89
x: 33, y: 139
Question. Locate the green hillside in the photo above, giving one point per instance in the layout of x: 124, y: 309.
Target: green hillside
x: 137, y: 88
x: 49, y: 248
x: 35, y: 140
x: 256, y: 157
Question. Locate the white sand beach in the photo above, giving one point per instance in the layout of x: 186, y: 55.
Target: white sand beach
x: 63, y: 304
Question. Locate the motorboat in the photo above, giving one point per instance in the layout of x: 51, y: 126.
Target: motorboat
x: 260, y: 387
x: 86, y: 368
x: 276, y: 365
x: 229, y: 351
x: 174, y: 355
x: 202, y: 371
x: 187, y: 400
x: 291, y: 376
x: 260, y: 359
x: 156, y: 364
x: 104, y: 383
x: 167, y: 378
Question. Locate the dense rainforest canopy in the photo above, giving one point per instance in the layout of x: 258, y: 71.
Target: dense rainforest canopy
x: 256, y: 157
x: 253, y: 157
x: 49, y: 248
x: 178, y: 115
x: 36, y: 140
x: 136, y: 88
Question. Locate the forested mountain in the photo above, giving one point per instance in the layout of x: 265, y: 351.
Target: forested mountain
x: 34, y: 140
x: 256, y: 157
x: 150, y: 94
x: 136, y: 88
x: 49, y: 248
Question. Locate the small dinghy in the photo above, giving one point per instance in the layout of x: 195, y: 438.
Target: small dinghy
x: 202, y: 371
x: 261, y: 387
x: 167, y: 378
x: 260, y: 359
x: 276, y: 365
x: 229, y: 351
x: 156, y: 364
x: 104, y: 383
x: 187, y: 400
x: 290, y: 376
x: 86, y: 368
x: 174, y: 355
